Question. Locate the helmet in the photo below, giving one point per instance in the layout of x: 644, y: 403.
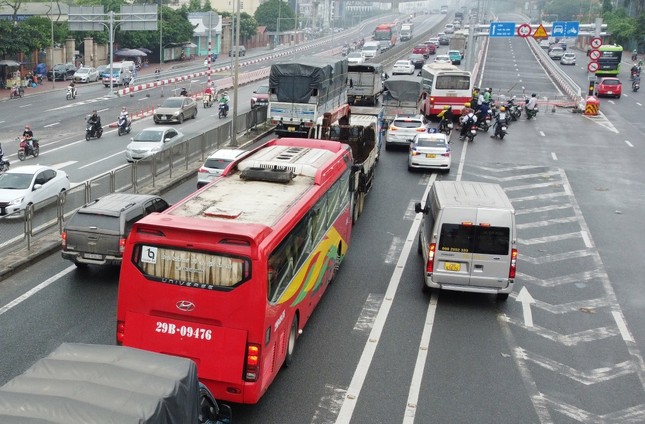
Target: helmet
x: 123, y: 109
x: 502, y: 109
x: 489, y: 89
x: 533, y: 95
x: 27, y: 126
x: 446, y: 107
x: 467, y: 104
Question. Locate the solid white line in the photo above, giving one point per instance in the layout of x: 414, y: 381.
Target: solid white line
x: 101, y: 160
x: 29, y: 105
x: 542, y: 134
x: 462, y: 161
x: 586, y: 239
x: 639, y: 104
x: 51, y: 125
x: 628, y: 143
x: 622, y: 327
x: 417, y: 375
x: 554, y: 156
x: 363, y: 366
x: 36, y: 289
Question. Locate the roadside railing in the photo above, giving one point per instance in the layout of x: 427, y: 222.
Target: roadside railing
x: 153, y: 174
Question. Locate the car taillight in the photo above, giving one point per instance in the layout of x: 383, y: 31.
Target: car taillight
x: 430, y: 263
x: 513, y: 268
x: 421, y: 129
x: 252, y: 364
x: 64, y: 239
x: 413, y: 152
x: 122, y: 245
x: 446, y: 155
x: 120, y: 332
x: 393, y: 128
x: 203, y: 170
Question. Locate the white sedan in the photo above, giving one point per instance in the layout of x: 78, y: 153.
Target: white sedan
x: 86, y: 74
x: 442, y: 58
x: 403, y: 67
x: 27, y: 185
x: 355, y: 58
x: 151, y: 141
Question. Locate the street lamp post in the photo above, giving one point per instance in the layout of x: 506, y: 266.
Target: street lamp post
x: 160, y: 33
x: 236, y: 79
x: 51, y: 7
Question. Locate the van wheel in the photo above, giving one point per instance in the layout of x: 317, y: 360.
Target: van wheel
x: 291, y: 343
x: 502, y: 296
x: 419, y: 246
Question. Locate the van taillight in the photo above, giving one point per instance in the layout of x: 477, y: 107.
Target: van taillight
x: 64, y: 239
x: 120, y: 332
x: 122, y: 245
x: 252, y: 367
x: 430, y: 263
x: 513, y: 268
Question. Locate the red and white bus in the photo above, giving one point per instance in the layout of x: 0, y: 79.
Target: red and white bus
x: 230, y: 275
x: 387, y: 32
x: 444, y: 84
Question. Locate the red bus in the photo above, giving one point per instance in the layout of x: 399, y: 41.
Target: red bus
x: 230, y: 275
x: 444, y: 85
x: 386, y: 32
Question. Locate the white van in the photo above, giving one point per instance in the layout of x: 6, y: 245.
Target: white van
x: 468, y: 238
x: 122, y: 73
x: 371, y: 49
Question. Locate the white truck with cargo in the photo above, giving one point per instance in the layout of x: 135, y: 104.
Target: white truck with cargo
x: 406, y: 32
x: 301, y: 92
x: 365, y: 83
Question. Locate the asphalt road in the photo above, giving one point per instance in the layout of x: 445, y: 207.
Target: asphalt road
x: 378, y: 349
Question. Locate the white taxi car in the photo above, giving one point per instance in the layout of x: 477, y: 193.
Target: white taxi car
x: 403, y: 67
x: 429, y: 151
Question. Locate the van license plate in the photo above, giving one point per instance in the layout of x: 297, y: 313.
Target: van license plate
x: 452, y: 266
x: 431, y: 155
x: 93, y: 256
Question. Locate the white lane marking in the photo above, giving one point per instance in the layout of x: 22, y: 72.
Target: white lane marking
x: 36, y: 289
x: 553, y: 156
x: 367, y: 316
x: 542, y: 134
x: 51, y: 125
x: 622, y: 327
x: 639, y: 104
x: 394, y: 250
x: 419, y: 366
x: 102, y: 159
x: 330, y: 403
x: 586, y: 239
x: 29, y: 105
x: 462, y: 161
x: 363, y: 366
x: 628, y: 143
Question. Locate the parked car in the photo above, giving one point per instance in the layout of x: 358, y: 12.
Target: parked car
x: 429, y: 151
x: 216, y: 163
x: 237, y: 51
x: 455, y: 56
x: 403, y: 129
x: 442, y: 58
x: 568, y: 58
x: 609, y: 87
x: 260, y: 96
x: 444, y: 40
x: 418, y: 60
x: 96, y: 233
x: 86, y: 74
x: 63, y: 72
x: 28, y: 185
x: 175, y: 109
x: 151, y: 141
x: 355, y: 58
x: 403, y: 67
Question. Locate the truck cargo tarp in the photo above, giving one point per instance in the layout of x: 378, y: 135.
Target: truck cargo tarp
x: 295, y: 82
x: 102, y: 384
x: 403, y: 88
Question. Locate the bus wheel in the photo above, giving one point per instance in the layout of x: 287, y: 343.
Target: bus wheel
x: 291, y: 343
x: 361, y: 203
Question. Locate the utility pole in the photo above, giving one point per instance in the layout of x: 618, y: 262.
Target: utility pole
x: 236, y: 79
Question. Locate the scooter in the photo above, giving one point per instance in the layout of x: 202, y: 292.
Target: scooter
x: 24, y: 150
x: 471, y: 133
x: 500, y: 126
x: 16, y: 91
x: 208, y: 100
x: 446, y: 126
x: 90, y: 132
x: 483, y: 122
x: 636, y: 85
x: 530, y: 113
x: 223, y: 110
x: 515, y: 111
x: 71, y: 93
x: 124, y: 125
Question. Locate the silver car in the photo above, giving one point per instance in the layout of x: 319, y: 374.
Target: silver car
x: 151, y: 141
x: 175, y: 109
x: 86, y: 74
x: 568, y: 58
x: 216, y: 164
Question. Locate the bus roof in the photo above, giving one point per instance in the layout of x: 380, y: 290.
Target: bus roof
x: 267, y: 185
x: 435, y: 67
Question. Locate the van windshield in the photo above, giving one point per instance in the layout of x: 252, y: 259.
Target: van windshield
x: 474, y: 239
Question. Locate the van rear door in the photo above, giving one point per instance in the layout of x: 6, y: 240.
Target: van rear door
x: 492, y: 248
x: 454, y: 252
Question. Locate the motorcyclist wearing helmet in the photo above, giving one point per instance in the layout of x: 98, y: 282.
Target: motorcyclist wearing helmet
x: 468, y: 119
x: 72, y: 88
x: 224, y: 99
x: 124, y: 114
x: 28, y: 136
x: 446, y: 113
x: 208, y: 92
x: 1, y: 154
x: 183, y: 92
x: 95, y: 120
x: 498, y: 120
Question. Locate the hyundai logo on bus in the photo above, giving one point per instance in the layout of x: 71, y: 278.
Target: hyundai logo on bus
x: 185, y: 305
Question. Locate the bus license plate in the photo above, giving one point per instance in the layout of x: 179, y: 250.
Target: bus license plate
x: 291, y: 129
x: 452, y: 266
x: 431, y: 155
x: 93, y: 256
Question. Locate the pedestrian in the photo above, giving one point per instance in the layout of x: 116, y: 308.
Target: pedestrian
x: 157, y: 73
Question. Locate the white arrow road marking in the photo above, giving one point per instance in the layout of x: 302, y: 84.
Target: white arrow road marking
x: 525, y: 297
x: 585, y: 336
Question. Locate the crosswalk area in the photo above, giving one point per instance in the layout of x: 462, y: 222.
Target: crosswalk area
x: 576, y: 352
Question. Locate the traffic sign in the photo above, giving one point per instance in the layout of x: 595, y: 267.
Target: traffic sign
x: 524, y: 30
x: 540, y: 32
x: 594, y: 54
x: 596, y: 42
x: 501, y: 29
x: 565, y: 29
x: 592, y: 66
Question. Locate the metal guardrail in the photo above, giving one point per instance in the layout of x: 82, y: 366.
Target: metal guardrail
x: 20, y: 230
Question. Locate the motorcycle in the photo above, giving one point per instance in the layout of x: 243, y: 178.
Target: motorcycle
x: 635, y: 73
x: 4, y: 166
x: 124, y: 125
x: 471, y: 133
x: 515, y: 111
x: 636, y: 85
x: 500, y: 126
x: 223, y: 110
x: 24, y: 150
x: 208, y: 100
x: 446, y: 126
x: 483, y: 123
x: 530, y: 113
x: 91, y: 132
x: 16, y: 91
x: 71, y: 93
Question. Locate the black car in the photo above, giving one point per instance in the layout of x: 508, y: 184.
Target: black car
x: 63, y: 72
x: 418, y: 60
x: 444, y: 40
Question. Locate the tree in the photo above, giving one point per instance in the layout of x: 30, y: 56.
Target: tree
x: 621, y: 27
x: 273, y: 11
x: 569, y: 10
x: 249, y: 25
x: 35, y: 33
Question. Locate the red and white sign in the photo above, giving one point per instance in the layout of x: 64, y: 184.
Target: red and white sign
x: 594, y: 54
x: 524, y: 30
x: 596, y: 42
x: 592, y: 66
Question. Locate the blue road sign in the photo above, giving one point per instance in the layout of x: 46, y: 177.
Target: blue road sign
x: 565, y: 29
x: 501, y: 29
